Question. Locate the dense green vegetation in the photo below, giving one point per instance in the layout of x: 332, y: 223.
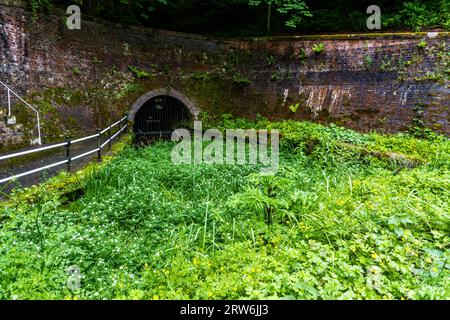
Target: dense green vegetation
x: 254, y: 17
x: 352, y: 216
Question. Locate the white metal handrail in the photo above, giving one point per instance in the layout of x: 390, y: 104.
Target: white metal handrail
x: 113, y: 137
x: 112, y: 126
x: 26, y: 104
x: 67, y: 144
x: 23, y: 153
x: 85, y: 154
x: 34, y: 171
x: 85, y: 138
x: 53, y: 146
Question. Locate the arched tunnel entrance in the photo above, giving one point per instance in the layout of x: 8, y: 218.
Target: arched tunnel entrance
x: 158, y: 113
x: 159, y: 117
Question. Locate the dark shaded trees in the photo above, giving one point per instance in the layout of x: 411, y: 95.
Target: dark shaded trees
x: 258, y: 17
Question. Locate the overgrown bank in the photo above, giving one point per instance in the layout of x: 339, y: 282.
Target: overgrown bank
x: 352, y: 216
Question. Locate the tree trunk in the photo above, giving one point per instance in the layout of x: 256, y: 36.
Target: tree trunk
x: 91, y: 7
x: 269, y: 17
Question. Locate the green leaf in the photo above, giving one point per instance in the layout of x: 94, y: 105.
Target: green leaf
x: 399, y: 232
x: 294, y: 107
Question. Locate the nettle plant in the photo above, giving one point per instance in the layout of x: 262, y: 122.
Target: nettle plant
x: 139, y: 73
x: 422, y: 44
x: 318, y: 48
x: 294, y: 107
x: 267, y: 196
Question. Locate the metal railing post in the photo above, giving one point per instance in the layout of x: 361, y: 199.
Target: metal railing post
x: 99, y: 146
x: 9, y: 102
x: 68, y: 154
x: 39, y: 128
x: 67, y: 144
x: 109, y: 138
x: 30, y: 107
x: 120, y: 129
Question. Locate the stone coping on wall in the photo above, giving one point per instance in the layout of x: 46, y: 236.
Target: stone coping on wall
x: 345, y: 36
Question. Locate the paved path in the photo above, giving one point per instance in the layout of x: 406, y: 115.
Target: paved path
x: 27, y: 163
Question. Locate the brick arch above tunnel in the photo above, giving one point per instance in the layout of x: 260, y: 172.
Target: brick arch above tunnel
x: 190, y: 105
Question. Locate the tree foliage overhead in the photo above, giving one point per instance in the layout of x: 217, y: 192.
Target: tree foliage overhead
x: 256, y: 17
x: 294, y: 10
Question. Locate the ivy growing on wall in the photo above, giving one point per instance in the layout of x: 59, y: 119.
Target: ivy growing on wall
x: 40, y: 5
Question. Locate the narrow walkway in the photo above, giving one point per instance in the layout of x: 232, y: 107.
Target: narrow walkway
x: 23, y: 164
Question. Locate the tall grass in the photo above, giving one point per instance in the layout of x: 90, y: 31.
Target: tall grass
x: 346, y: 222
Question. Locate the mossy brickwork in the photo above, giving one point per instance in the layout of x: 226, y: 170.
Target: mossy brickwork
x: 82, y: 79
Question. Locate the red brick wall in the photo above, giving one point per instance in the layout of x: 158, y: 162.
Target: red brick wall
x: 345, y: 84
x: 367, y: 82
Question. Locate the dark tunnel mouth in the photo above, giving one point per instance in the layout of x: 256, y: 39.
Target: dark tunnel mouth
x: 158, y: 117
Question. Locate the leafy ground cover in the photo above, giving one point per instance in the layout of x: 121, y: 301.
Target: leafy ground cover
x: 348, y: 216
